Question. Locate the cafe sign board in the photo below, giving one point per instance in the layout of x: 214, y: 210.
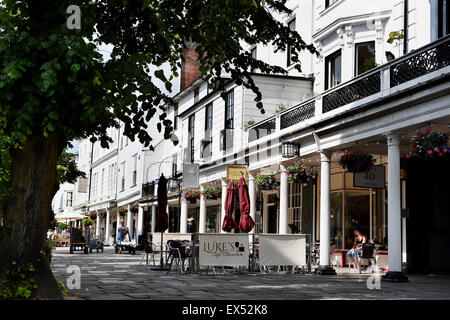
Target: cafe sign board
x: 234, y: 172
x: 216, y: 249
x: 375, y: 178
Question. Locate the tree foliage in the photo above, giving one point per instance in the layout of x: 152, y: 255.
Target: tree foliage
x: 54, y: 81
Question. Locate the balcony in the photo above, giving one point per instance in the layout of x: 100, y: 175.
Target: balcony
x: 386, y: 80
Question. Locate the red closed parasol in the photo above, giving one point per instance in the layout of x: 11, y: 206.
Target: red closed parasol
x: 162, y: 219
x: 228, y: 221
x: 246, y: 223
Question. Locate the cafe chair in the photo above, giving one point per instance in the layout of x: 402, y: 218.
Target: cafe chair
x: 149, y: 248
x: 368, y: 253
x: 177, y: 250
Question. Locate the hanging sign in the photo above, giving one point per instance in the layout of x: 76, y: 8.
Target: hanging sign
x: 234, y: 172
x: 190, y: 175
x: 375, y: 178
x: 216, y: 249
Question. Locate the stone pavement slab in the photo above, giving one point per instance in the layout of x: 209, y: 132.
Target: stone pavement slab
x: 121, y: 277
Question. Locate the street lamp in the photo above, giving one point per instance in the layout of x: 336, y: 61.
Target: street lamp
x: 289, y: 149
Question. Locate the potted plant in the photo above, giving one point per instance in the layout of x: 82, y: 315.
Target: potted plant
x: 301, y: 173
x: 356, y: 161
x: 192, y: 195
x: 87, y: 222
x: 428, y: 145
x: 212, y: 192
x: 266, y: 182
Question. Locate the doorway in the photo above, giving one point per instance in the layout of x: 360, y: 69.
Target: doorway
x: 272, y: 225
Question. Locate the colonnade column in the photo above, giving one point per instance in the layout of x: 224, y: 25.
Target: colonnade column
x: 140, y: 221
x: 97, y: 224
x: 394, y: 273
x: 284, y: 186
x: 184, y: 213
x: 252, y: 198
x: 108, y: 221
x: 129, y: 225
x: 118, y: 222
x: 224, y: 196
x: 324, y: 266
x: 153, y: 218
x: 202, y: 219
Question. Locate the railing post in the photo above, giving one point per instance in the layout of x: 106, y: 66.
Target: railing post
x: 386, y: 81
x: 278, y: 123
x: 318, y: 106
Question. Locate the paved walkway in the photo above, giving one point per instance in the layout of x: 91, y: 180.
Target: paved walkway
x: 112, y: 276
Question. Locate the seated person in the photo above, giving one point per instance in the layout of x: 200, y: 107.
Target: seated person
x: 360, y: 238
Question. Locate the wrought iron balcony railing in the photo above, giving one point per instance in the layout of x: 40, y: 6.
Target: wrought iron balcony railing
x: 378, y: 82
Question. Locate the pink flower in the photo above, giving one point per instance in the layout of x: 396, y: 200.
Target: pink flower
x: 440, y: 154
x: 430, y: 152
x: 408, y: 156
x: 436, y: 149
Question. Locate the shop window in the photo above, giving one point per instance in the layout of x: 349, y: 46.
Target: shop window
x: 174, y: 219
x: 193, y: 218
x: 212, y: 219
x: 295, y: 207
x: 333, y: 72
x: 365, y: 57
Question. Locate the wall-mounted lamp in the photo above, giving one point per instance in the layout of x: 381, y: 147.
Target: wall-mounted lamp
x: 289, y: 149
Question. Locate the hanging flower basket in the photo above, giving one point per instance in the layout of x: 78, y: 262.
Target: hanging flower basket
x: 212, y: 193
x: 429, y: 145
x: 266, y: 182
x: 356, y: 161
x: 192, y: 195
x: 301, y: 173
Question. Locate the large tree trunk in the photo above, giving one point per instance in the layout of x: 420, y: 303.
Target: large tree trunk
x: 26, y: 214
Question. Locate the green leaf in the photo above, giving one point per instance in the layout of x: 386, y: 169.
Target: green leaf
x: 75, y: 67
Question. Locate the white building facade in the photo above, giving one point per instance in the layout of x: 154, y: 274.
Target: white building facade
x: 361, y: 93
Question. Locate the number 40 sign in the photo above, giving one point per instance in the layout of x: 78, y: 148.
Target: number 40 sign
x: 375, y: 178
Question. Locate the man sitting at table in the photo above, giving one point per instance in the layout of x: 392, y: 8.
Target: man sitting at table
x: 360, y: 238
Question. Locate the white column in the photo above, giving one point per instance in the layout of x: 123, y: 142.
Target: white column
x: 252, y: 198
x: 129, y: 222
x: 118, y: 221
x: 108, y: 221
x: 202, y: 222
x: 324, y: 267
x: 224, y: 196
x: 97, y: 224
x: 394, y: 211
x: 153, y: 218
x: 140, y: 221
x: 284, y: 189
x: 183, y: 216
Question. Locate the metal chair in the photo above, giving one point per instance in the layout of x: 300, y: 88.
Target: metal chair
x: 149, y: 248
x: 368, y: 252
x: 177, y: 250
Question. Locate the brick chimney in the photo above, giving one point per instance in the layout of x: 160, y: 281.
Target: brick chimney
x: 190, y: 66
